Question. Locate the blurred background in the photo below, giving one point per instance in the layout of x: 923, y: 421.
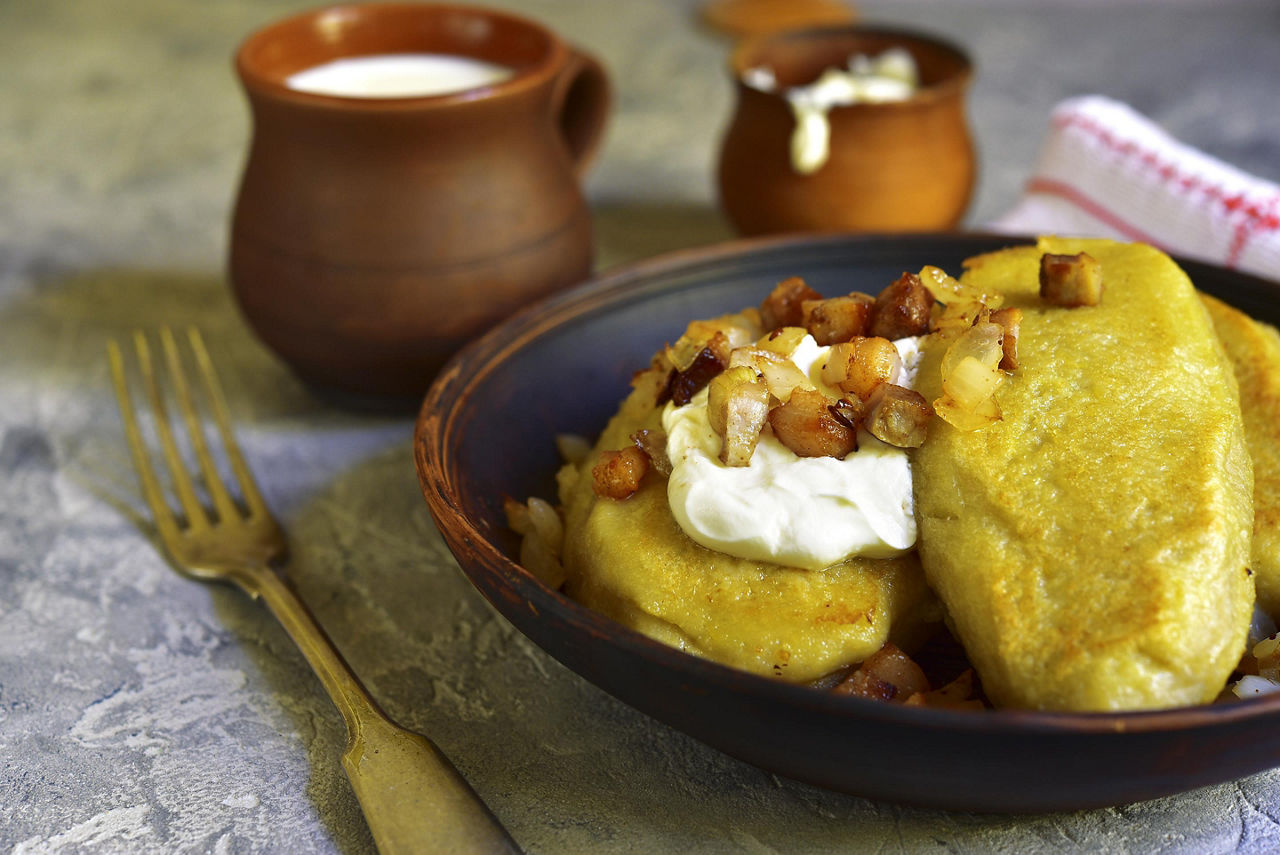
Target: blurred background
x: 143, y: 91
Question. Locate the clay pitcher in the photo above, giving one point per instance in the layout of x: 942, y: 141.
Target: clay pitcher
x: 374, y: 236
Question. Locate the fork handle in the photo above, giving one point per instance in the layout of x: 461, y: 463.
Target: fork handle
x: 412, y: 796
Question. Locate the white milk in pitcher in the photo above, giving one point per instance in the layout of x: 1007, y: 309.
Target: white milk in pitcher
x: 398, y: 75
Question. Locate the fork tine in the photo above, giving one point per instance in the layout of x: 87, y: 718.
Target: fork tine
x: 222, y: 500
x: 191, y: 506
x: 248, y: 487
x: 164, y: 519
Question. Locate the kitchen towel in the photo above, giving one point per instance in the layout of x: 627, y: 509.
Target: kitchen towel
x: 1107, y: 171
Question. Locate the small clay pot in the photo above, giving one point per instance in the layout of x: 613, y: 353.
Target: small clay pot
x: 374, y: 236
x: 892, y: 167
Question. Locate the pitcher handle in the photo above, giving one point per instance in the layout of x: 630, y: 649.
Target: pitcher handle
x: 581, y: 107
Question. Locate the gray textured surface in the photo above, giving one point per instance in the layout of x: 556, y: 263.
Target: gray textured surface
x: 140, y: 712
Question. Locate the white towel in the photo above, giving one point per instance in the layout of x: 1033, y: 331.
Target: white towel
x: 1107, y: 171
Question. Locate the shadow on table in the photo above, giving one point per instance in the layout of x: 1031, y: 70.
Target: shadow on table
x: 56, y: 331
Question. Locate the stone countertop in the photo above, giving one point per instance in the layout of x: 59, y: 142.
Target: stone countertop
x: 140, y: 712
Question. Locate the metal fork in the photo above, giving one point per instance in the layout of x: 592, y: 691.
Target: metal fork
x: 412, y: 796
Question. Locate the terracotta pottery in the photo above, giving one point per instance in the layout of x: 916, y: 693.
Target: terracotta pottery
x: 893, y: 167
x: 373, y: 236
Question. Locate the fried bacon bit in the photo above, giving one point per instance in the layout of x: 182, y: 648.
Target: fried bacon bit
x: 1070, y: 280
x: 902, y: 309
x: 738, y: 407
x: 887, y: 675
x: 1010, y: 320
x: 837, y: 319
x: 654, y: 444
x: 860, y: 366
x: 683, y: 384
x: 850, y: 412
x: 619, y: 473
x: 782, y: 308
x: 898, y: 416
x: 806, y: 425
x: 959, y: 694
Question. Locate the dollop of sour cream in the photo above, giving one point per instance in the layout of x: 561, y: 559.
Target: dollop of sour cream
x: 807, y: 512
x: 891, y: 76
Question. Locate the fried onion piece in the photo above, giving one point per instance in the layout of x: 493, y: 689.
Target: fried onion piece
x: 806, y: 425
x: 959, y: 694
x: 542, y: 538
x: 720, y: 334
x: 860, y: 366
x: 738, y: 407
x: 1070, y: 280
x: 518, y: 519
x: 837, y: 319
x: 963, y: 305
x: 970, y: 376
x: 619, y: 473
x: 683, y: 384
x: 948, y: 290
x: 783, y: 341
x: 780, y: 374
x: 986, y: 413
x: 538, y: 559
x: 782, y: 308
x: 887, y: 675
x: 898, y: 416
x: 1010, y: 320
x: 902, y: 309
x: 572, y: 447
x: 1264, y: 659
x: 654, y: 444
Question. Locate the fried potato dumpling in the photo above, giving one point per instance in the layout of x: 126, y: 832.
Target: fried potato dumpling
x: 631, y: 561
x: 1091, y: 545
x: 1254, y: 351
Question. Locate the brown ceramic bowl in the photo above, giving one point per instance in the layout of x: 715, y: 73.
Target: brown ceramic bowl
x: 899, y: 166
x: 563, y: 366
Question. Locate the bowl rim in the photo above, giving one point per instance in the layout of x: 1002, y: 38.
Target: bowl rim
x: 435, y: 428
x: 924, y: 95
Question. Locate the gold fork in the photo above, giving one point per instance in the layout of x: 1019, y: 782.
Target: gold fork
x: 412, y: 796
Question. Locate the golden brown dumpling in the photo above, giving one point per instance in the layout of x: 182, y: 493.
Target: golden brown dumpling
x: 631, y: 561
x: 1254, y: 351
x: 1091, y: 547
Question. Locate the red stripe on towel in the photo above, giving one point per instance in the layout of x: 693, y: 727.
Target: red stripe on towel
x: 1253, y: 217
x: 1091, y: 207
